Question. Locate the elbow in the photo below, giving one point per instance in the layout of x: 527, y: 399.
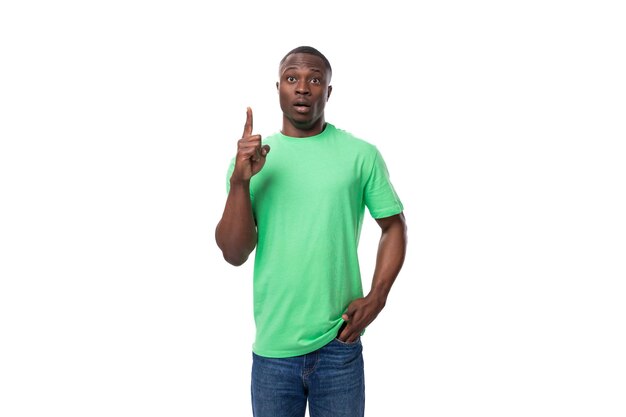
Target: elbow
x: 234, y: 260
x: 234, y: 251
x: 233, y: 256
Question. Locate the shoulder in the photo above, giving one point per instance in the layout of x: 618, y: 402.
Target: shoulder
x: 348, y: 139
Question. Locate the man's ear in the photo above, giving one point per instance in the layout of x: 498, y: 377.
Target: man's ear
x: 330, y: 90
x: 276, y: 85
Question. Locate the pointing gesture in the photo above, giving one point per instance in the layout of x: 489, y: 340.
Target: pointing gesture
x: 251, y: 154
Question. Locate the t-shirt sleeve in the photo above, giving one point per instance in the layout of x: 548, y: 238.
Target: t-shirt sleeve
x: 229, y: 172
x: 380, y: 196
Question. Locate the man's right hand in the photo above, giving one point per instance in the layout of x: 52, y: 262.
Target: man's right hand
x: 251, y: 155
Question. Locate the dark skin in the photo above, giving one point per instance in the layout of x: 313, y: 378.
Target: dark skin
x: 303, y: 89
x: 389, y: 259
x: 235, y: 234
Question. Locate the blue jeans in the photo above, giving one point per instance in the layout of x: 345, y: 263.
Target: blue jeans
x: 330, y: 378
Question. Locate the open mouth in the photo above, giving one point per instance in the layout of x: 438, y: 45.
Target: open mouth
x: 301, y: 107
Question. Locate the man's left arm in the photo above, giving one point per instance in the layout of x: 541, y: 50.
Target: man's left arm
x: 391, y: 251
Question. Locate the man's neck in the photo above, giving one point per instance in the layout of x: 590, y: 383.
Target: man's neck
x: 295, y: 131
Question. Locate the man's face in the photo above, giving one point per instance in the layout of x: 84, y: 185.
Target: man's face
x: 303, y: 87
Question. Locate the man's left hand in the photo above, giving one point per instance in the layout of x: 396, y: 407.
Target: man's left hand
x: 360, y: 313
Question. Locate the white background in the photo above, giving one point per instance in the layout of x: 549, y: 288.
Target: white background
x: 503, y: 126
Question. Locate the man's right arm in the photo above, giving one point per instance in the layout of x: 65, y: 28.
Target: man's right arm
x: 235, y: 233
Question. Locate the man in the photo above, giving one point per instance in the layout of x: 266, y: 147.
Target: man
x: 302, y: 208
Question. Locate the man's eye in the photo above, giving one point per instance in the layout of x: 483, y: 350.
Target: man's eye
x: 315, y: 80
x: 291, y: 79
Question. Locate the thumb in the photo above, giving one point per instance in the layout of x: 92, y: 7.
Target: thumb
x: 265, y: 149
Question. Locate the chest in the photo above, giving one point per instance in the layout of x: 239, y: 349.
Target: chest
x: 310, y: 176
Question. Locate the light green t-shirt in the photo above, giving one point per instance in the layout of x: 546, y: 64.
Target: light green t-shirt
x: 308, y: 202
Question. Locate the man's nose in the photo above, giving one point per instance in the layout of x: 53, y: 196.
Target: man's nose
x: 302, y: 87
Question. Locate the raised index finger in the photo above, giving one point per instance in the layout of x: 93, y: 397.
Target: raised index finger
x: 247, y: 128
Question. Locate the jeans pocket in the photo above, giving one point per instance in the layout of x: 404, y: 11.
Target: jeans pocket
x: 343, y: 326
x: 355, y: 343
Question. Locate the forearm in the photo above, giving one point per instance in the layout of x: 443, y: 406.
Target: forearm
x: 390, y: 257
x: 391, y: 250
x: 236, y: 233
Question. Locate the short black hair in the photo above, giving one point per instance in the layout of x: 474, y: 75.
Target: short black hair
x: 311, y: 51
